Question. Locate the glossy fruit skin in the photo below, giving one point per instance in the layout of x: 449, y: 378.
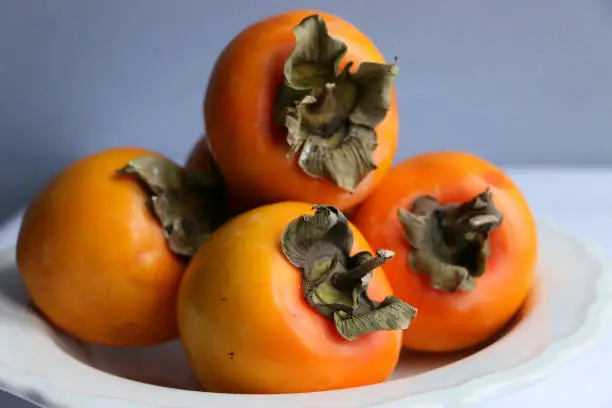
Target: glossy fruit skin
x: 459, y: 320
x: 250, y: 149
x: 247, y: 328
x: 94, y: 259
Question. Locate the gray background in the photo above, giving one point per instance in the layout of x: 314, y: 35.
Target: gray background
x: 522, y: 81
x: 518, y: 82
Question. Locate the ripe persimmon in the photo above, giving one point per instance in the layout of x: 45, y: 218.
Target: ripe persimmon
x: 92, y: 253
x: 466, y: 245
x: 278, y: 300
x: 289, y: 118
x: 201, y: 158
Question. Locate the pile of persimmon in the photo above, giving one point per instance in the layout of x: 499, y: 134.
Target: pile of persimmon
x: 246, y: 252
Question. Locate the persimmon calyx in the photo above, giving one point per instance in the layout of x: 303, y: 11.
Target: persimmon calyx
x: 331, y: 116
x: 189, y: 204
x: 450, y: 242
x: 336, y: 283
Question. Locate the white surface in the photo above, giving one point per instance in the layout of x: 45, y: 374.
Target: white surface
x: 556, y: 195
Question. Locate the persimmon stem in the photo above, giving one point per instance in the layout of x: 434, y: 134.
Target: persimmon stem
x: 334, y: 282
x: 188, y: 203
x: 331, y: 115
x: 450, y: 242
x: 365, y: 264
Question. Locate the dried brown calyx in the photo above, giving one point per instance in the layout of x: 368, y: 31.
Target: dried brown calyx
x: 450, y: 242
x: 331, y: 116
x: 334, y: 282
x: 189, y: 204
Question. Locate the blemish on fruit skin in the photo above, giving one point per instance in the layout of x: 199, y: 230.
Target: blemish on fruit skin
x: 231, y: 355
x: 223, y: 299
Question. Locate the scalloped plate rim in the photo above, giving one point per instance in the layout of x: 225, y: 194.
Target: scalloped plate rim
x: 44, y: 393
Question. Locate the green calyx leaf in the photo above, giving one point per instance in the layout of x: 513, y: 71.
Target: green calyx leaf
x: 450, y: 242
x: 189, y: 204
x: 335, y: 283
x: 316, y: 56
x: 331, y: 116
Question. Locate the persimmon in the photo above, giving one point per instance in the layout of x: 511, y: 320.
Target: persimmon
x: 290, y: 118
x: 100, y: 249
x: 465, y: 242
x: 280, y: 300
x: 200, y: 157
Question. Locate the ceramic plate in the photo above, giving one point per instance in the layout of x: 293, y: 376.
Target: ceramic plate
x: 562, y: 317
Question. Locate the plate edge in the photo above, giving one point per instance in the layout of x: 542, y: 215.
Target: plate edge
x: 558, y: 354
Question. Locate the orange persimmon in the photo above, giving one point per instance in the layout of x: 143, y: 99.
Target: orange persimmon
x: 466, y: 267
x: 252, y: 320
x: 94, y: 259
x: 200, y: 157
x: 289, y: 118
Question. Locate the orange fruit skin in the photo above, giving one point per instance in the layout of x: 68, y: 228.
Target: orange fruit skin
x: 247, y: 328
x: 460, y: 320
x: 250, y: 149
x: 94, y: 259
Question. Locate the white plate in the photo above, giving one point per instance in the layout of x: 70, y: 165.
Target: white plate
x: 563, y: 316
